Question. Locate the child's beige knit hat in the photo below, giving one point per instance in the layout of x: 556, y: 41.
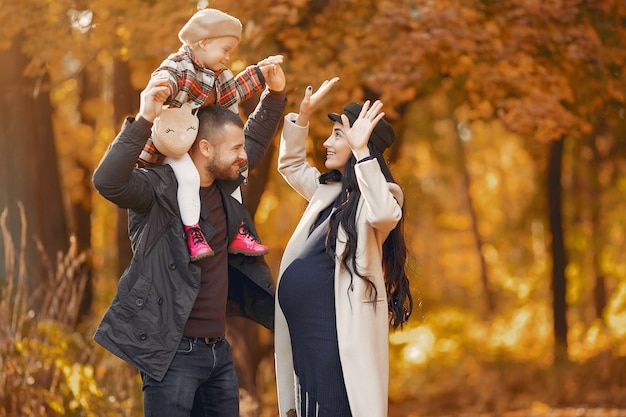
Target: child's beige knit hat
x: 209, y: 23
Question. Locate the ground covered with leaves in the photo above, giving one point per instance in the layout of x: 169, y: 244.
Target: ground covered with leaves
x: 596, y: 387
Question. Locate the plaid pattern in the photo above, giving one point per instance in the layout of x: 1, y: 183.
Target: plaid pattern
x: 190, y: 82
x: 241, y: 88
x: 149, y: 155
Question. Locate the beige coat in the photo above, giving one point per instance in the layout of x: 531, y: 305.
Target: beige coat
x: 362, y: 326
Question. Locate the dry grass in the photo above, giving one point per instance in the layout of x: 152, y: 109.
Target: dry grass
x: 47, y: 366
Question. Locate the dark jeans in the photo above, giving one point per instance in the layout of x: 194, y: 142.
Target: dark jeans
x: 201, y: 382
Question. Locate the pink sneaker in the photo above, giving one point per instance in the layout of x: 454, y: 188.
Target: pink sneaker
x: 246, y: 244
x: 198, y: 246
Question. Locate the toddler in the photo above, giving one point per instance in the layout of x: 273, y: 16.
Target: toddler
x: 198, y: 76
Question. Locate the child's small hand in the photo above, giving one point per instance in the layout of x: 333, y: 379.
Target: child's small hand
x: 267, y: 64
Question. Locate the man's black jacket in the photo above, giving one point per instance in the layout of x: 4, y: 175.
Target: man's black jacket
x: 145, y: 321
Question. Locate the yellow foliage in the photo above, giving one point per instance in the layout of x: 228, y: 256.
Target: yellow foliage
x: 506, y: 77
x: 616, y: 311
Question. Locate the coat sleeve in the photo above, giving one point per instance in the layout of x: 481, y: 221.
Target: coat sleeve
x: 249, y: 82
x: 172, y: 67
x: 383, y: 200
x: 292, y: 161
x: 116, y: 178
x: 263, y: 124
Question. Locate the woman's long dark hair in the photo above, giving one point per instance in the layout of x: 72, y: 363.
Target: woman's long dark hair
x: 395, y: 251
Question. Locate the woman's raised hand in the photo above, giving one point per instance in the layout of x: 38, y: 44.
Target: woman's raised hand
x: 311, y: 100
x: 359, y: 133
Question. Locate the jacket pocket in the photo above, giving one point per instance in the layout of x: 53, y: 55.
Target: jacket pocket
x: 135, y: 300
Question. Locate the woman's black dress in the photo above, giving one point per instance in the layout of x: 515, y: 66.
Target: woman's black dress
x: 307, y: 298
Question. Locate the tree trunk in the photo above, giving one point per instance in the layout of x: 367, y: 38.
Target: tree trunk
x: 599, y: 289
x: 28, y: 167
x: 91, y: 86
x: 125, y: 103
x: 559, y: 258
x: 478, y: 241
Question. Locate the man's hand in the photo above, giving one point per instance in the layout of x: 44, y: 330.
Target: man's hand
x: 273, y: 72
x: 153, y: 97
x: 265, y: 65
x: 311, y: 100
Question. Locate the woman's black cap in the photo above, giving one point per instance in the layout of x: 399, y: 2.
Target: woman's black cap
x: 383, y: 135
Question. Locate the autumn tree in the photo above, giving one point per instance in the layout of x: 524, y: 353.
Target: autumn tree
x: 549, y: 73
x: 31, y: 189
x: 519, y: 62
x: 514, y: 61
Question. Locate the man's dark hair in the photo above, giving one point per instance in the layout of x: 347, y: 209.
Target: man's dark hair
x: 213, y: 119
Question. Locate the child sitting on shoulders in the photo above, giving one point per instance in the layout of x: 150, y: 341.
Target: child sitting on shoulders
x: 198, y: 76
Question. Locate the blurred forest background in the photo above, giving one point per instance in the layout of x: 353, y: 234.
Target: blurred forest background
x: 510, y: 116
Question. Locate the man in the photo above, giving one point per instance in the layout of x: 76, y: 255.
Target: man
x: 168, y: 316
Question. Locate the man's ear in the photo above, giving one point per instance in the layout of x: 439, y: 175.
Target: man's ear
x: 204, y: 148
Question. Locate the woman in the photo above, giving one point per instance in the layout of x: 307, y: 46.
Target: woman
x: 342, y: 278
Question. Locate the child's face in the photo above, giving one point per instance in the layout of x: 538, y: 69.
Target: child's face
x: 215, y: 53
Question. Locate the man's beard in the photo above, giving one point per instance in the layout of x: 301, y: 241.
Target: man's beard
x: 222, y: 172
